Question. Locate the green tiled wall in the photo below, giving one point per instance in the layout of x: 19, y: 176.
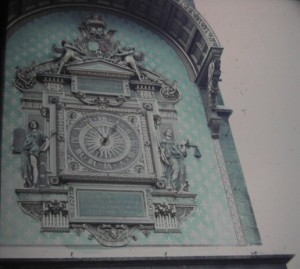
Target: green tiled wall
x: 211, y: 224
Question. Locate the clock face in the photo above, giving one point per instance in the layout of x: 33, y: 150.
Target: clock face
x: 104, y: 142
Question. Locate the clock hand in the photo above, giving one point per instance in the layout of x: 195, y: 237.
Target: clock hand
x: 112, y: 130
x: 94, y: 128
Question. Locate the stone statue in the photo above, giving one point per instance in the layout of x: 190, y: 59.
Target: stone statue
x: 35, y: 143
x: 172, y: 156
x: 68, y: 53
x: 129, y: 57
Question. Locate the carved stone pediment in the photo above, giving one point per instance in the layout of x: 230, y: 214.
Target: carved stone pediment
x: 100, y: 68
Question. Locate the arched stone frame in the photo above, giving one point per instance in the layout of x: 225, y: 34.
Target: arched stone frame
x: 182, y: 26
x: 185, y: 28
x: 191, y: 36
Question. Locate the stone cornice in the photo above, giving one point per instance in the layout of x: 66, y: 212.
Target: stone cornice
x: 213, y: 262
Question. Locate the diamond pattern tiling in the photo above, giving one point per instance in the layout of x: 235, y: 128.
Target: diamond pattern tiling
x: 211, y: 223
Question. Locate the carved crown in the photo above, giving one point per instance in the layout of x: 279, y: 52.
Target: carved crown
x: 95, y: 21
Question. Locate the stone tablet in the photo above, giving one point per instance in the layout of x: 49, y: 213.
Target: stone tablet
x: 111, y: 204
x: 100, y: 85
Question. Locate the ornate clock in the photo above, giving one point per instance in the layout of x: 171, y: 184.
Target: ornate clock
x: 114, y: 164
x: 104, y: 142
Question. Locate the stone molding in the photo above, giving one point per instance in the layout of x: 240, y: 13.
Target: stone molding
x: 229, y: 194
x: 278, y: 261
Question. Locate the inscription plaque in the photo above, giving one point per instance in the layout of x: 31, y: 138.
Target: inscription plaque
x: 102, y: 86
x: 111, y: 204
